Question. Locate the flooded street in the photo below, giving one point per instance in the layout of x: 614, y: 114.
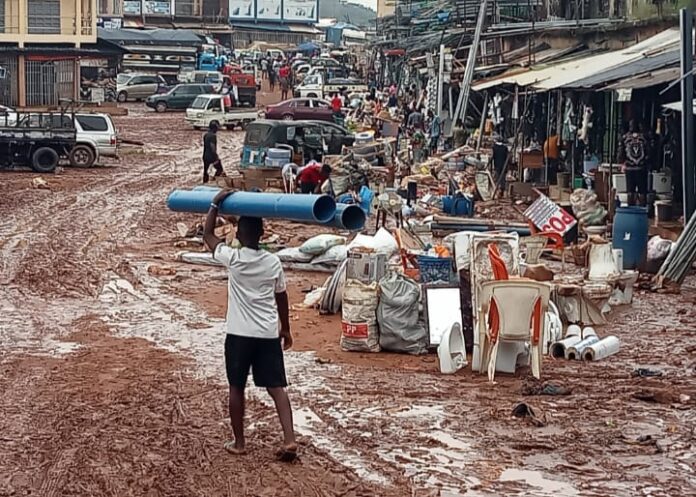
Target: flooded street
x: 112, y: 374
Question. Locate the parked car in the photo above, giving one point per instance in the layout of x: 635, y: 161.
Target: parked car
x: 213, y: 78
x: 178, y: 98
x: 309, y: 140
x: 96, y: 137
x: 207, y: 109
x: 300, y: 108
x: 137, y: 86
x: 95, y: 134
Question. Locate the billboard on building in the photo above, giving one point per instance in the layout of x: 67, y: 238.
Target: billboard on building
x: 242, y: 9
x: 301, y: 10
x: 133, y: 7
x: 152, y: 7
x: 269, y: 10
x: 275, y: 10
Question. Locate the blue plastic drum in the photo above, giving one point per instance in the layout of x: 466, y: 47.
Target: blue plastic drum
x: 630, y: 234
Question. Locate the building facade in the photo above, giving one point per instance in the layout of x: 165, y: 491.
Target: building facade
x: 41, y: 43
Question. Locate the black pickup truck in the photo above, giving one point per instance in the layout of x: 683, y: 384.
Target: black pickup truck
x: 38, y: 140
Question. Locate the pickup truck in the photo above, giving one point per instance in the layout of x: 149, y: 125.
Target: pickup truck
x: 207, y: 109
x: 316, y: 86
x: 37, y: 140
x: 95, y: 133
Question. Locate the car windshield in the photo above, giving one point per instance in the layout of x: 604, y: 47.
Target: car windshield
x: 258, y: 134
x: 122, y: 79
x: 214, y: 78
x: 199, y: 103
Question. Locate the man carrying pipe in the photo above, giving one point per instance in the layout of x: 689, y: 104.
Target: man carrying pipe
x: 210, y: 155
x: 256, y: 301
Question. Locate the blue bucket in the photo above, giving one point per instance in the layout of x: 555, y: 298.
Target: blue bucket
x: 458, y: 206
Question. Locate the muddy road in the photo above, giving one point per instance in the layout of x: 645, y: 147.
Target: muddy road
x: 112, y: 379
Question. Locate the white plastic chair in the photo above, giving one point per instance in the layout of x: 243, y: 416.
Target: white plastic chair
x: 515, y: 301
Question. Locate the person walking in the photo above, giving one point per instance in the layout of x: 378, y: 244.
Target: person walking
x: 284, y: 74
x: 257, y: 306
x: 210, y: 155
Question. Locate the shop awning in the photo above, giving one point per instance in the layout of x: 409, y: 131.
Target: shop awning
x: 678, y: 106
x: 646, y: 79
x: 657, y: 52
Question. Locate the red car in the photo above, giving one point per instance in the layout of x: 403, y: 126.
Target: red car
x: 301, y: 108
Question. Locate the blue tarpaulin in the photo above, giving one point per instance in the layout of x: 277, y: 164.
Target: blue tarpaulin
x: 307, y: 46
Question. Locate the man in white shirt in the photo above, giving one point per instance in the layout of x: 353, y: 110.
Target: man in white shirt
x: 257, y: 301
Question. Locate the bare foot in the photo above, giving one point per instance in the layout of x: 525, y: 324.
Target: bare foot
x: 287, y: 453
x: 233, y: 448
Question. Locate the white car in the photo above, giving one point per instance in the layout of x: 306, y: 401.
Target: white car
x: 95, y: 135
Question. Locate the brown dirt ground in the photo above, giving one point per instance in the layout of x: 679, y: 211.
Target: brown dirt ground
x: 90, y: 408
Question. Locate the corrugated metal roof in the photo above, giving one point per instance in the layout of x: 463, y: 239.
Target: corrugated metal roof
x: 651, y: 54
x: 149, y: 36
x: 647, y: 79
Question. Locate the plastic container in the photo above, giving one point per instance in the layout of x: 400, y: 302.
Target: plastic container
x: 434, y: 269
x: 458, y: 206
x: 662, y: 182
x: 578, y: 182
x: 618, y: 181
x: 630, y: 234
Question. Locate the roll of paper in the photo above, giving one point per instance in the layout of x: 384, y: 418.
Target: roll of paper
x: 602, y: 349
x: 558, y: 349
x: 574, y: 353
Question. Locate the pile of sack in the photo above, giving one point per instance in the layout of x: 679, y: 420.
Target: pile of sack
x: 586, y: 207
x: 328, y: 250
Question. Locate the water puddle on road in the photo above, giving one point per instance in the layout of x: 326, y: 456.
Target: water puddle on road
x: 543, y: 486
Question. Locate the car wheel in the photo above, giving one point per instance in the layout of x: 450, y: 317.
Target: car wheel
x: 44, y: 160
x: 161, y: 107
x: 122, y: 96
x: 82, y: 156
x: 312, y: 95
x: 288, y: 117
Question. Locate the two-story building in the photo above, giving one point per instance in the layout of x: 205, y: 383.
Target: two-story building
x: 41, y: 43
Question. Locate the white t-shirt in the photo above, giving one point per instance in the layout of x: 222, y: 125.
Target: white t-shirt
x: 255, y: 276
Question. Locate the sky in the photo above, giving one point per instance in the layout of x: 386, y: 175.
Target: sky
x: 367, y: 3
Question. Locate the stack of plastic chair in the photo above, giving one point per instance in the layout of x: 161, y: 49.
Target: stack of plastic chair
x: 521, y: 307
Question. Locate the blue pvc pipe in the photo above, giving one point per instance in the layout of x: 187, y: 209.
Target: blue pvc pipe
x: 304, y: 208
x: 349, y: 217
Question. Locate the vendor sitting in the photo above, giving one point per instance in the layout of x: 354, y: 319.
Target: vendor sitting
x: 312, y: 177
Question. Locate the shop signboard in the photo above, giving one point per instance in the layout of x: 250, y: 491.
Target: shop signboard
x: 110, y: 22
x: 242, y: 9
x: 152, y: 7
x: 301, y: 10
x: 132, y: 7
x: 269, y: 10
x: 548, y: 216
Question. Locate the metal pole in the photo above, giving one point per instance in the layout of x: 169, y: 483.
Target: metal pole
x: 686, y: 22
x: 471, y: 62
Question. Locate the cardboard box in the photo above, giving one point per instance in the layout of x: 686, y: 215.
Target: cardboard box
x: 366, y: 267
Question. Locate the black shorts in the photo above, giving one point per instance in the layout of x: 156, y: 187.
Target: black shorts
x: 637, y: 180
x: 308, y: 187
x: 263, y: 355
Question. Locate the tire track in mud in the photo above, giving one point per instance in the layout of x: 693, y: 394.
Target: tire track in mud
x: 66, y: 240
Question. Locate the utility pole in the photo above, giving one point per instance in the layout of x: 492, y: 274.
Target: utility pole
x: 465, y: 87
x: 686, y: 23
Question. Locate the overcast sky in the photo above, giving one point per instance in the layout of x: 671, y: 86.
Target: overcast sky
x: 367, y: 3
